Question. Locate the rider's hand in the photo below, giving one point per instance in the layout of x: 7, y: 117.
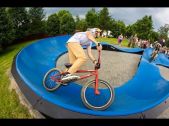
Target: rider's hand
x: 99, y: 47
x: 95, y: 62
x: 97, y: 65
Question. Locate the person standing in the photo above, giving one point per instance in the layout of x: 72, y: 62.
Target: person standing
x: 130, y: 40
x: 135, y: 40
x: 120, y: 39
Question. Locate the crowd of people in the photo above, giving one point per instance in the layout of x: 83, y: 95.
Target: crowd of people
x: 135, y: 42
x: 163, y: 48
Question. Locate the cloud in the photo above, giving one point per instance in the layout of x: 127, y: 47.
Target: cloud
x: 162, y: 16
x: 128, y: 15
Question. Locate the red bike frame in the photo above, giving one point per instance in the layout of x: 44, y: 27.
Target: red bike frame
x: 92, y: 73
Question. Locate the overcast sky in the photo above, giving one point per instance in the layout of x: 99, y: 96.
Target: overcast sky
x: 160, y: 16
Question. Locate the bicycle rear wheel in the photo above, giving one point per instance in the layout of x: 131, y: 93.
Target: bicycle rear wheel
x: 97, y: 102
x: 51, y: 79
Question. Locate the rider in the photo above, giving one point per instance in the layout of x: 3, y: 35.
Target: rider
x: 157, y: 47
x: 76, y: 53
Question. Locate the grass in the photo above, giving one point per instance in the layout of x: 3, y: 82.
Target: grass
x: 10, y: 106
x: 113, y: 41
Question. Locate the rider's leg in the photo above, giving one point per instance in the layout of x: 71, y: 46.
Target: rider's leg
x: 71, y: 57
x: 78, y: 52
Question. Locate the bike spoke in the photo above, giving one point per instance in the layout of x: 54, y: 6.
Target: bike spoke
x: 98, y: 100
x: 52, y: 80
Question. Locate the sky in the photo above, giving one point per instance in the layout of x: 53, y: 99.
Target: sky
x: 160, y: 16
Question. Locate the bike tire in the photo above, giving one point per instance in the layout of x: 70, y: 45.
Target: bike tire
x: 56, y: 85
x: 103, y: 107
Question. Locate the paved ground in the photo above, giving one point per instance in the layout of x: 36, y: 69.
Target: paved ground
x: 164, y: 72
x: 114, y: 67
x: 117, y: 68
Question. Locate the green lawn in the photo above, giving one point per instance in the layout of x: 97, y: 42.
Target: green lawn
x: 10, y: 106
x: 113, y: 41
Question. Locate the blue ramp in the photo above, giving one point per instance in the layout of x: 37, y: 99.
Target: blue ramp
x: 124, y: 49
x: 143, y: 92
x: 162, y: 59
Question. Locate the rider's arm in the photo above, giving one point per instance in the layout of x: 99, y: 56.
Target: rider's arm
x: 93, y: 40
x: 89, y: 35
x: 89, y: 52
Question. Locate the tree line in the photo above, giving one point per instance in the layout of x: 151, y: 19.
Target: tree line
x: 19, y: 22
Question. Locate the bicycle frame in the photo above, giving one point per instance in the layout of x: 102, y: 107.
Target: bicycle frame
x: 92, y: 73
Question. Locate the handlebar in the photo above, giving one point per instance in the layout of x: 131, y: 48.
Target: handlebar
x: 98, y: 44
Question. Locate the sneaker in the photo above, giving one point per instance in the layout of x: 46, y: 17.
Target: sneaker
x: 68, y: 78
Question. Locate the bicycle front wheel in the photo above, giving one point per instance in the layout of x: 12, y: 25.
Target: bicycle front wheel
x: 51, y: 79
x: 97, y: 102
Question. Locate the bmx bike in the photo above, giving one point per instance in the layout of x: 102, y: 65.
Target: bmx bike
x: 154, y: 55
x: 96, y: 94
x: 155, y: 52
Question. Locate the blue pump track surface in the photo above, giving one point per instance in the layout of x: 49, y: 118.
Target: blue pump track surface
x: 146, y: 90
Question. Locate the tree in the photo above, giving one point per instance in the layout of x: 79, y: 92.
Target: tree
x: 117, y: 27
x: 129, y: 30
x: 104, y: 19
x: 81, y: 25
x: 143, y: 27
x: 36, y: 15
x: 92, y: 18
x: 67, y: 24
x: 163, y: 31
x: 154, y: 36
x: 6, y: 29
x: 62, y: 12
x: 20, y: 19
x: 77, y: 19
x: 53, y: 24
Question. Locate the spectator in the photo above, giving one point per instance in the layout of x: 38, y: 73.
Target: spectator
x: 135, y: 40
x: 148, y: 44
x: 144, y: 44
x: 162, y: 42
x: 120, y: 39
x: 139, y: 43
x: 130, y: 41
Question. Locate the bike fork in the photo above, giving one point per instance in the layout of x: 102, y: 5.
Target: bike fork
x: 97, y: 92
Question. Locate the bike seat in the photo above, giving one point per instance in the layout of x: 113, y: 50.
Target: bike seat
x: 68, y: 65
